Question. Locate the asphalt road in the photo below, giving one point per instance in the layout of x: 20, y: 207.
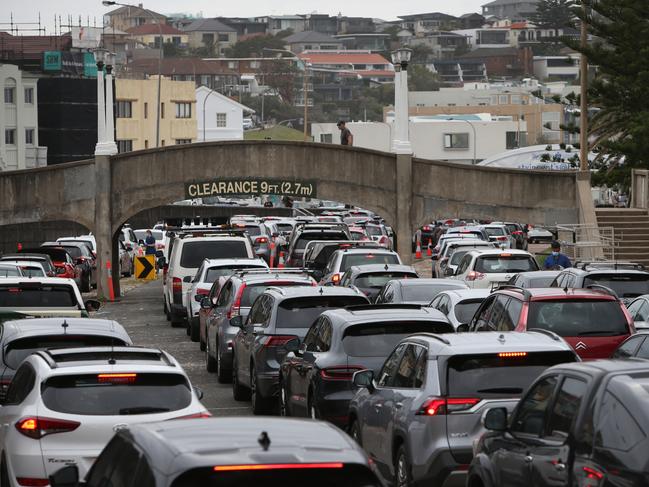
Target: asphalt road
x: 140, y: 312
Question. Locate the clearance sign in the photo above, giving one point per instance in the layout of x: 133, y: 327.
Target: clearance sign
x: 250, y: 187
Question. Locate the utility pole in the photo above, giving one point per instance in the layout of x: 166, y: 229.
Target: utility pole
x: 583, y: 74
x: 306, y: 101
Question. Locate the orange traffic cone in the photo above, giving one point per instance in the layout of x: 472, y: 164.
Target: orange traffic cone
x: 271, y: 263
x: 429, y: 250
x: 418, y: 252
x: 280, y: 264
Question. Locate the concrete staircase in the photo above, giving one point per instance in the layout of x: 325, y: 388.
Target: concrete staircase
x: 631, y: 232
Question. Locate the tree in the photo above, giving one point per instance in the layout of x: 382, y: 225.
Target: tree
x: 421, y: 78
x: 254, y: 47
x: 619, y: 127
x: 421, y: 53
x: 281, y: 76
x: 554, y: 14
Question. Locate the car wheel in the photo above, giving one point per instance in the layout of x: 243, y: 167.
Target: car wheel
x: 355, y: 432
x: 210, y: 363
x: 85, y: 283
x: 222, y: 374
x: 403, y: 477
x: 260, y: 404
x: 201, y: 341
x: 239, y: 392
x: 194, y: 331
x: 283, y: 402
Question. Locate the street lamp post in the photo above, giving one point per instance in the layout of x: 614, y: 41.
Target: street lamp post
x: 401, y: 141
x: 110, y: 121
x: 102, y: 148
x: 107, y: 3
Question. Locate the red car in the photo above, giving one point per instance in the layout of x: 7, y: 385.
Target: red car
x: 593, y: 321
x: 63, y: 262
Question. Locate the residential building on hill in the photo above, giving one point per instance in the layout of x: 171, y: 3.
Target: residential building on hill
x: 124, y: 18
x: 312, y: 41
x: 149, y: 35
x: 211, y: 34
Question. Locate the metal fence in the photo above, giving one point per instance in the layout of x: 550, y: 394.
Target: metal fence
x: 587, y: 242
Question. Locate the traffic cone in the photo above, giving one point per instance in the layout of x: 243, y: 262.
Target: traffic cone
x: 271, y: 260
x: 429, y: 250
x: 418, y: 252
x: 111, y: 289
x: 280, y: 264
x: 19, y: 246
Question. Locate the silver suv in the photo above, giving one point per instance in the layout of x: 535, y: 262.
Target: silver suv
x: 419, y: 416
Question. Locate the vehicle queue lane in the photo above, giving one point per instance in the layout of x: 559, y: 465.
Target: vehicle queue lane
x: 140, y: 313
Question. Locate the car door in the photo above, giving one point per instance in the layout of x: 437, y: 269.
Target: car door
x: 512, y: 461
x: 298, y: 378
x: 218, y: 313
x: 245, y: 337
x: 309, y: 367
x: 629, y: 347
x: 508, y: 318
x: 482, y: 317
x: 551, y: 456
x: 14, y: 406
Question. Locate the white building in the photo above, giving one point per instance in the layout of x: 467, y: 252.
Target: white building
x: 565, y: 68
x: 218, y: 117
x: 19, y: 121
x: 459, y: 138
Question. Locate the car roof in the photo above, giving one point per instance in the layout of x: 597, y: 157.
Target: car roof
x: 462, y: 294
x: 366, y: 250
x: 366, y: 269
x: 554, y: 293
x: 495, y: 251
x: 385, y: 313
x: 53, y: 326
x: 229, y: 262
x: 430, y: 281
x: 181, y: 445
x: 533, y: 274
x: 311, y: 291
x: 492, y: 342
x: 273, y: 276
x: 43, y: 280
x: 606, y: 366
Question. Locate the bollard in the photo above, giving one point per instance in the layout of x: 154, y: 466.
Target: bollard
x: 109, y: 279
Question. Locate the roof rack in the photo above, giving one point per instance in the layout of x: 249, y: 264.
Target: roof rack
x: 365, y: 307
x: 609, y: 264
x: 603, y: 289
x: 549, y: 333
x: 342, y: 226
x: 55, y: 356
x: 432, y: 335
x: 264, y: 270
x: 511, y: 287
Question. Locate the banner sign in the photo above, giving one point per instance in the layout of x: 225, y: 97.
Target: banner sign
x: 251, y: 187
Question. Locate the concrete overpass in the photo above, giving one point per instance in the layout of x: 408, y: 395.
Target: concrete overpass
x: 104, y: 193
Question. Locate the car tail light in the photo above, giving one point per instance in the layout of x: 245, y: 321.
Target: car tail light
x: 235, y: 310
x: 384, y: 241
x: 501, y: 239
x: 277, y: 466
x: 512, y: 354
x: 204, y: 414
x: 335, y: 278
x: 31, y: 482
x: 517, y: 232
x: 202, y: 292
x: 119, y: 378
x: 36, y: 427
x: 276, y: 340
x: 426, y: 228
x: 342, y: 372
x: 261, y: 240
x: 177, y: 285
x: 436, y: 406
x: 4, y: 385
x: 475, y: 276
x: 590, y: 477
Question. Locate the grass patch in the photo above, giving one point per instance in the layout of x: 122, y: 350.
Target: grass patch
x: 274, y: 133
x: 541, y: 256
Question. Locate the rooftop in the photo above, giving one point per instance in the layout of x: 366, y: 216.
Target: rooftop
x: 146, y: 29
x: 208, y: 25
x: 309, y: 36
x: 343, y: 57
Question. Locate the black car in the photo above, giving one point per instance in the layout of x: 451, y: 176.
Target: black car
x: 370, y: 279
x: 227, y: 452
x: 316, y: 379
x: 303, y: 233
x: 278, y: 316
x: 580, y: 424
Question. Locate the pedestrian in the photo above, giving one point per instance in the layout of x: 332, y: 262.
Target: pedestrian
x: 149, y: 243
x: 346, y: 137
x: 556, y: 260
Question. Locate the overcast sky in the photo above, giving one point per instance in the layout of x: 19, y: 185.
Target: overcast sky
x: 27, y: 11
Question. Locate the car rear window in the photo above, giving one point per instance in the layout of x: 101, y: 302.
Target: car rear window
x: 307, y: 237
x: 57, y: 255
x: 37, y: 297
x: 466, y: 234
x: 302, y: 312
x: 465, y: 310
x: 253, y: 230
x: 537, y: 282
x: 425, y: 293
x: 377, y: 280
x: 494, y: 232
x: 625, y: 285
x: 20, y: 349
x: 103, y: 395
x: 193, y: 253
x: 492, y: 376
x: 253, y: 291
x: 9, y: 272
x: 29, y: 271
x: 365, y: 259
x: 569, y: 318
x: 379, y: 339
x: 284, y: 227
x: 214, y: 273
x: 73, y: 250
x: 505, y: 263
x: 336, y: 474
x: 374, y: 231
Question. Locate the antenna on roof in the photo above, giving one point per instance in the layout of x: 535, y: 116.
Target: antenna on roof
x: 111, y: 360
x: 65, y: 327
x: 264, y: 440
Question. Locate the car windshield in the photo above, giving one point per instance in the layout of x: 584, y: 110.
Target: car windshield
x: 305, y: 238
x: 20, y: 349
x: 9, y: 271
x: 213, y: 273
x: 283, y: 227
x: 115, y: 395
x: 625, y: 285
x: 351, y: 260
x: 492, y: 376
x: 379, y: 339
x: 302, y: 312
x: 253, y: 230
x: 253, y: 291
x: 32, y: 271
x: 424, y: 293
x: 378, y: 279
x: 193, y: 253
x: 74, y: 251
x: 45, y: 296
x: 505, y: 263
x: 494, y: 231
x: 347, y: 474
x: 569, y: 318
x: 464, y: 310
x: 373, y: 230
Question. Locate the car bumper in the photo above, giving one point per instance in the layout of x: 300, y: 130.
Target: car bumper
x: 442, y: 471
x: 334, y: 407
x: 268, y: 384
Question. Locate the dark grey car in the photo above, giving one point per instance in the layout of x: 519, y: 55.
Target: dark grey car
x: 228, y: 452
x: 278, y: 316
x: 316, y: 380
x: 418, y: 417
x: 416, y: 291
x: 369, y: 279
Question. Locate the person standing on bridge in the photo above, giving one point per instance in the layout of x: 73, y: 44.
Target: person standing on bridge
x: 346, y: 137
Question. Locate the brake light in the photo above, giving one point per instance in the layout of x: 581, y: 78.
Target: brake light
x: 235, y: 310
x: 475, y: 276
x: 426, y: 228
x: 204, y: 414
x: 116, y: 378
x: 335, y: 278
x: 261, y: 240
x: 341, y: 372
x: 517, y: 232
x: 202, y: 292
x: 501, y: 239
x: 439, y: 407
x: 512, y: 354
x: 35, y: 427
x: 592, y: 477
x: 277, y: 466
x: 383, y: 240
x: 30, y: 482
x: 505, y: 255
x: 277, y: 340
x: 177, y: 285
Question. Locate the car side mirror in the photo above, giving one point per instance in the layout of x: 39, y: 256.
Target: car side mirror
x: 199, y: 392
x: 188, y: 278
x: 92, y: 305
x: 293, y: 345
x: 65, y: 477
x: 236, y: 321
x: 206, y: 303
x: 364, y: 378
x: 462, y: 328
x: 449, y: 271
x: 496, y: 419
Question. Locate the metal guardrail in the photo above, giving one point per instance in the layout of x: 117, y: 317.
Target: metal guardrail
x: 587, y: 242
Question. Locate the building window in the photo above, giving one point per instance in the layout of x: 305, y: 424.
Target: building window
x: 146, y: 110
x: 124, y: 146
x: 10, y: 95
x: 233, y: 64
x: 29, y: 136
x: 511, y: 140
x: 221, y: 120
x: 183, y: 141
x: 10, y: 136
x: 503, y: 99
x: 254, y: 64
x: 184, y: 110
x: 456, y: 141
x: 326, y: 138
x: 124, y: 109
x: 175, y: 40
x: 29, y: 95
x: 516, y: 99
x: 224, y: 37
x: 162, y: 110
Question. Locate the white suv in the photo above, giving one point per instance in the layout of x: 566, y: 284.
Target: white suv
x: 341, y: 260
x: 64, y: 405
x: 481, y: 269
x: 186, y: 255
